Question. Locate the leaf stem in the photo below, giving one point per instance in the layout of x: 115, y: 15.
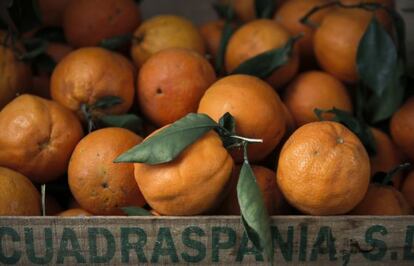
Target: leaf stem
x: 248, y: 140
x: 43, y: 194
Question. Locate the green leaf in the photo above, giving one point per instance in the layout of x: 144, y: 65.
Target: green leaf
x: 116, y: 42
x: 106, y: 102
x: 228, y: 31
x: 34, y: 48
x: 224, y: 11
x: 136, y: 211
x: 386, y: 178
x: 51, y: 34
x: 128, y: 121
x: 399, y: 25
x: 376, y: 58
x: 361, y: 129
x: 263, y: 65
x: 254, y: 213
x: 227, y: 131
x: 168, y: 143
x: 264, y: 8
x: 228, y: 122
x: 379, y: 108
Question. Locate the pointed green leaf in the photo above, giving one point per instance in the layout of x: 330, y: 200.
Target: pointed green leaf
x: 34, y: 48
x: 226, y: 131
x: 358, y: 127
x: 376, y: 58
x: 116, y: 42
x: 379, y: 108
x: 386, y: 178
x: 128, y: 121
x: 255, y: 217
x: 400, y: 30
x: 264, y: 8
x: 168, y: 143
x: 224, y: 11
x: 106, y: 102
x: 263, y: 65
x: 136, y: 211
x: 228, y: 122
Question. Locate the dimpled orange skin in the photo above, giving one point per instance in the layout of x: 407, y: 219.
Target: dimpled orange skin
x: 16, y: 75
x: 88, y: 74
x: 51, y: 11
x: 315, y: 89
x: 99, y: 185
x: 18, y: 196
x: 88, y: 22
x: 77, y: 212
x: 407, y: 188
x: 193, y: 183
x: 323, y: 169
x: 212, y: 32
x: 39, y: 139
x: 165, y: 31
x: 265, y: 178
x: 256, y: 37
x: 387, y: 157
x: 402, y: 128
x: 289, y: 16
x: 382, y: 200
x: 336, y: 41
x: 171, y: 83
x: 256, y: 107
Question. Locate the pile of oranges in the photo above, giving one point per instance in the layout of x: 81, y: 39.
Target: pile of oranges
x: 53, y: 130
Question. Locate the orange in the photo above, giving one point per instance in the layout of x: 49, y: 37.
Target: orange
x: 193, y: 183
x: 323, y: 169
x: 165, y: 31
x: 289, y: 16
x: 98, y: 184
x: 382, y: 200
x: 337, y: 39
x: 88, y: 22
x: 77, y: 212
x: 89, y: 74
x: 51, y: 11
x: 257, y: 37
x: 212, y: 32
x: 266, y: 181
x: 18, y: 196
x: 16, y: 76
x: 402, y: 128
x: 388, y: 156
x: 315, y: 89
x: 407, y: 188
x: 290, y: 121
x: 39, y: 139
x: 171, y: 84
x: 256, y: 107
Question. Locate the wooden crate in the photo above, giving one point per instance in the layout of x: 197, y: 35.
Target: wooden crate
x: 310, y: 240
